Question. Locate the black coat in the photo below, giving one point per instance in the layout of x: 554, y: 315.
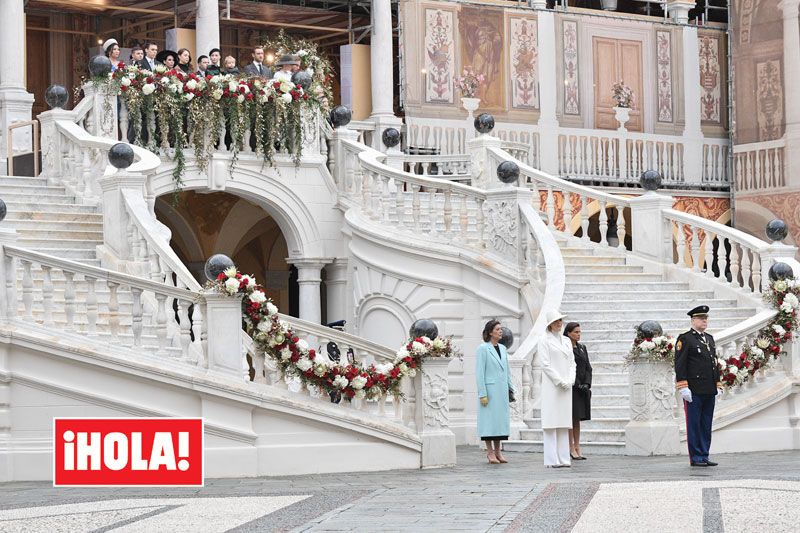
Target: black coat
x: 143, y: 64
x: 581, y: 390
x: 696, y: 362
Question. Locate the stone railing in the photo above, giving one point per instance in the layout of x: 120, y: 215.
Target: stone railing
x: 450, y: 167
x: 759, y: 166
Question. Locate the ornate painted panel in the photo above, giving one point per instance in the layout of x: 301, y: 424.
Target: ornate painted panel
x: 439, y: 56
x: 769, y: 99
x: 482, y: 36
x: 523, y: 53
x: 570, y: 40
x: 664, y: 75
x: 710, y: 79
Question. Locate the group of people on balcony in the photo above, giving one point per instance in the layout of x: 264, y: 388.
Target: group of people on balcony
x: 148, y: 58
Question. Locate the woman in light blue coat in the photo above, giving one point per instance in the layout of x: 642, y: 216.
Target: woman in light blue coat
x: 494, y: 388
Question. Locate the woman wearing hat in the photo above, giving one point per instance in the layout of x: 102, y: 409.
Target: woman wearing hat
x: 168, y: 58
x: 493, y: 378
x: 286, y: 63
x: 112, y: 51
x: 558, y: 376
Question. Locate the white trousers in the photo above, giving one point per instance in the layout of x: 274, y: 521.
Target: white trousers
x: 556, y: 446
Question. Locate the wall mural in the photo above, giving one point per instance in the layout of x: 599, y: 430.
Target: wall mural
x: 439, y: 50
x: 481, y: 32
x: 709, y: 208
x: 571, y: 100
x: 785, y: 206
x: 769, y: 102
x: 710, y: 79
x: 664, y: 71
x: 523, y: 56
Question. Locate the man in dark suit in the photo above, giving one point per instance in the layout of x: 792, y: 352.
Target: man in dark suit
x: 698, y: 382
x: 149, y: 61
x: 257, y: 67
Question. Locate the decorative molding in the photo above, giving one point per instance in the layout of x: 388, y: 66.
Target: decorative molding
x: 710, y: 79
x: 523, y: 53
x: 664, y: 75
x: 502, y: 226
x: 769, y: 99
x: 434, y: 399
x: 710, y: 208
x: 439, y: 56
x: 746, y: 9
x: 570, y: 43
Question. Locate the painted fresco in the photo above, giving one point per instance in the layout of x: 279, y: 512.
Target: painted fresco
x: 570, y: 40
x: 664, y: 73
x: 769, y: 99
x: 439, y: 60
x: 482, y: 36
x: 710, y: 79
x: 524, y: 62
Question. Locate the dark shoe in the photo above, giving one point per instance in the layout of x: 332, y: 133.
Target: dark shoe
x: 574, y: 457
x: 580, y: 458
x: 711, y: 463
x: 699, y: 463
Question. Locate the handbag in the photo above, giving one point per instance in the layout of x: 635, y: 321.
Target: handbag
x: 511, y: 397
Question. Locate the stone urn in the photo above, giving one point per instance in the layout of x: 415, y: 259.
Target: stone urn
x: 470, y: 105
x: 652, y: 429
x: 623, y: 115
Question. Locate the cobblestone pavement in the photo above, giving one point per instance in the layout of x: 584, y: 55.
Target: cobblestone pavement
x: 747, y: 492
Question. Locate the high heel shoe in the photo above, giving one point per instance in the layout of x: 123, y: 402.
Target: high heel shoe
x: 500, y: 457
x: 492, y: 457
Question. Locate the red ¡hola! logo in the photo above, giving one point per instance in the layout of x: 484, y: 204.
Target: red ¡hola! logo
x: 128, y: 451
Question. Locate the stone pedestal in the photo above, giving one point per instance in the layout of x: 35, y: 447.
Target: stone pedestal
x: 224, y: 342
x: 433, y: 415
x: 8, y: 236
x: 651, y: 237
x: 484, y: 168
x: 115, y: 213
x: 678, y: 10
x: 653, y: 429
x: 503, y: 224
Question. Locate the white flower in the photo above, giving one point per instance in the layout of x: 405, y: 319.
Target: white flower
x: 160, y: 69
x: 216, y: 94
x: 287, y: 98
x: 792, y: 300
x: 264, y: 325
x: 214, y: 79
x: 258, y: 297
x: 360, y: 394
x: 310, y: 71
x: 439, y: 344
x: 418, y: 347
x: 302, y: 53
x: 762, y: 343
x: 412, y: 372
x: 233, y: 86
x: 384, y: 368
x: 245, y: 88
x: 320, y: 369
x: 403, y: 368
x: 277, y: 340
x: 249, y: 280
x: 230, y: 272
x: 271, y: 309
x: 302, y: 345
x: 779, y: 330
x: 758, y: 352
x: 125, y: 82
x: 188, y: 97
x: 232, y: 285
x: 240, y: 98
x: 780, y: 285
x: 304, y: 364
x: 287, y: 86
x: 647, y: 345
x: 191, y: 85
x: 340, y: 382
x: 286, y: 354
x: 359, y: 382
x: 148, y: 88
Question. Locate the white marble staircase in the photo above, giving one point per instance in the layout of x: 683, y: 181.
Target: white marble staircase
x: 609, y: 297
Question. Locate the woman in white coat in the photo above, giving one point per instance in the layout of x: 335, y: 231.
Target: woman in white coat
x: 558, y: 375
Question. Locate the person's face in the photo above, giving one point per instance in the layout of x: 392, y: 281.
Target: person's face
x: 286, y: 68
x: 152, y: 51
x: 215, y: 58
x: 700, y: 323
x: 575, y: 334
x: 258, y: 55
x: 295, y: 68
x: 203, y: 64
x: 169, y: 61
x: 556, y: 326
x: 184, y: 57
x: 497, y: 333
x: 230, y: 63
x: 138, y: 55
x: 115, y: 52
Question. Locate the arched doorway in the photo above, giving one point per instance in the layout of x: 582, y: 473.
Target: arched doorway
x: 220, y: 222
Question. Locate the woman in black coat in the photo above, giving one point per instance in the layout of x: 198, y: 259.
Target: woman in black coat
x: 581, y: 390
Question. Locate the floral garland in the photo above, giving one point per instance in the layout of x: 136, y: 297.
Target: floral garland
x: 311, y: 60
x: 296, y: 359
x: 784, y: 295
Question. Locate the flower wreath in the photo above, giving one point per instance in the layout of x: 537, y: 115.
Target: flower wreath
x: 296, y: 358
x: 660, y: 347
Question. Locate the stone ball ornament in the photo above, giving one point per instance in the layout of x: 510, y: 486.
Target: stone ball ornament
x: 508, y: 172
x: 99, y: 66
x: 341, y: 116
x: 390, y: 137
x: 777, y: 230
x: 650, y: 180
x: 484, y: 123
x: 56, y: 96
x: 3, y: 210
x: 507, y: 339
x: 302, y: 78
x: 424, y: 327
x: 780, y: 270
x: 121, y: 155
x: 650, y: 329
x: 217, y: 264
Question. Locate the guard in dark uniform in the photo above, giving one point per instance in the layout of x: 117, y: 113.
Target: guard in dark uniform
x: 698, y: 383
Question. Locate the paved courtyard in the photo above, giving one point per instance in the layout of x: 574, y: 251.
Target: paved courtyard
x: 748, y: 492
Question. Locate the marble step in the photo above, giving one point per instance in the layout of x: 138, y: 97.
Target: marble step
x: 21, y: 181
x: 32, y: 227
x: 591, y: 318
x: 608, y: 366
x: 588, y: 260
x: 573, y: 251
x: 642, y: 304
x: 629, y: 279
x: 35, y: 188
x: 598, y: 423
x: 610, y: 400
x: 610, y: 411
x: 50, y: 197
x: 625, y: 289
x: 588, y: 448
x: 56, y: 216
x: 85, y: 256
x: 600, y: 268
x: 15, y: 206
x: 625, y: 329
x: 47, y: 235
x: 40, y: 244
x: 588, y: 435
x: 619, y: 386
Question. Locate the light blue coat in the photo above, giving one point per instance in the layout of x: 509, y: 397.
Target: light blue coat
x: 494, y: 380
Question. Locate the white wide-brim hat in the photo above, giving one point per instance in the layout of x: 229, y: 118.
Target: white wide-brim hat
x: 108, y: 43
x: 553, y: 315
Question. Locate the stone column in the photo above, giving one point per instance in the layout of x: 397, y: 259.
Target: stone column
x: 207, y: 26
x: 223, y: 316
x: 309, y: 277
x: 336, y: 283
x: 692, y: 132
x: 548, y: 123
x: 791, y: 76
x: 678, y: 10
x: 15, y: 101
x: 653, y: 429
x: 382, y: 71
x: 651, y: 237
x: 432, y: 413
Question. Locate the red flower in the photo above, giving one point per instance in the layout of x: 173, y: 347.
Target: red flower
x: 305, y: 97
x: 277, y: 85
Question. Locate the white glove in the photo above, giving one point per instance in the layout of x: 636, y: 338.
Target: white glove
x: 686, y: 394
x: 564, y: 385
